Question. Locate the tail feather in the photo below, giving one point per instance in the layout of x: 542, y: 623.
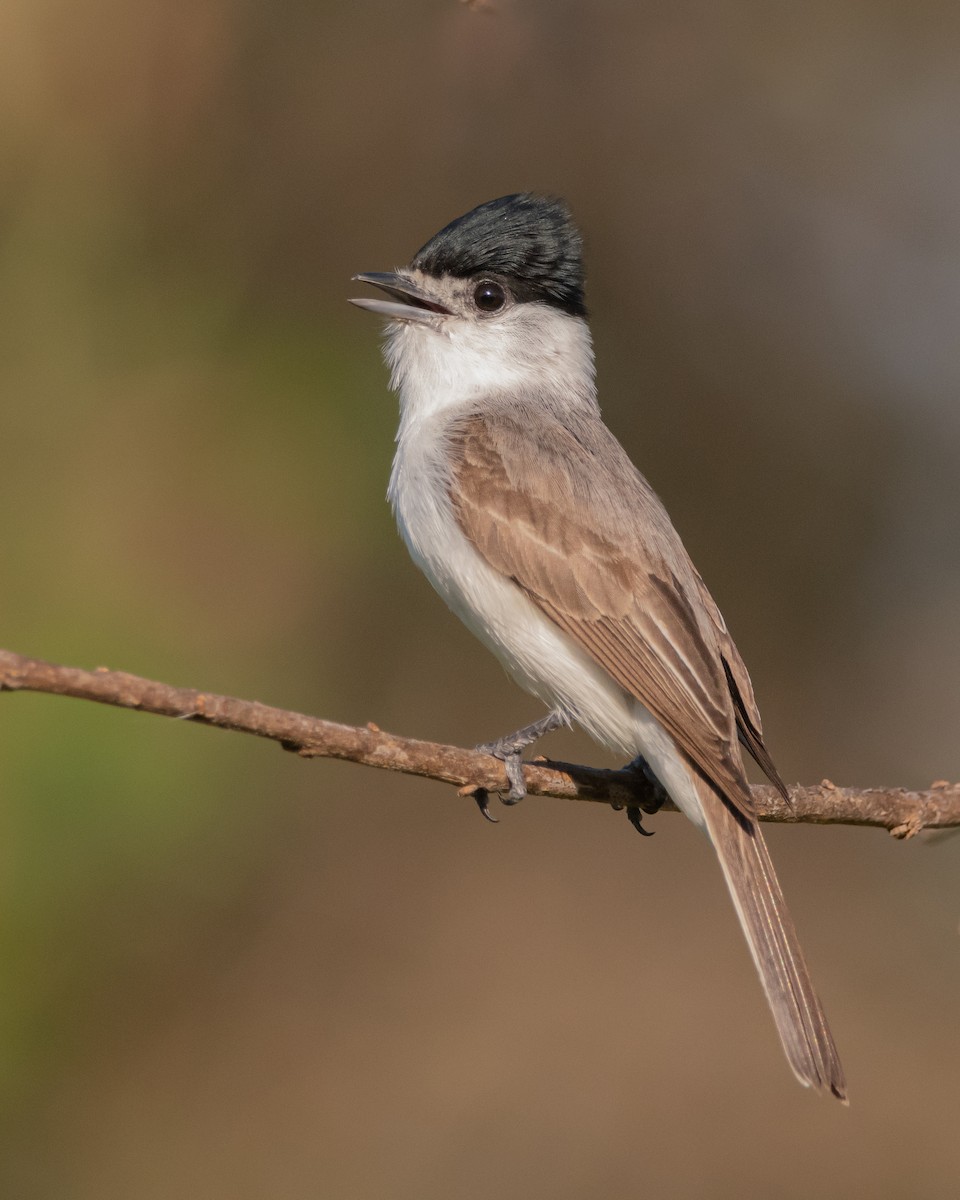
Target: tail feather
x: 774, y: 945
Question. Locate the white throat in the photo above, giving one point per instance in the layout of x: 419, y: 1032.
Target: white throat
x: 532, y: 350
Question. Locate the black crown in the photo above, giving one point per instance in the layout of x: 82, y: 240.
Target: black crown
x: 531, y: 241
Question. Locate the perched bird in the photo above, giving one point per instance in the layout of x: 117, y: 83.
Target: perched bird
x: 527, y: 516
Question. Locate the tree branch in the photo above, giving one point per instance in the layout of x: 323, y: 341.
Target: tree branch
x: 903, y: 813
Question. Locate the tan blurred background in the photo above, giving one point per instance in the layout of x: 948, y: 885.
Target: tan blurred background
x: 230, y: 974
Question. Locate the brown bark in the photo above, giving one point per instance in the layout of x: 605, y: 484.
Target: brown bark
x: 904, y: 813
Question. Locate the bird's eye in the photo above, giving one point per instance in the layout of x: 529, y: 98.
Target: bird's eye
x: 489, y: 296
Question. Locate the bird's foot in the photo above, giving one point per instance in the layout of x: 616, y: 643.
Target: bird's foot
x: 658, y: 796
x: 509, y: 750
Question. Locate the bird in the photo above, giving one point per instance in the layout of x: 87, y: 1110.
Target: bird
x: 530, y: 520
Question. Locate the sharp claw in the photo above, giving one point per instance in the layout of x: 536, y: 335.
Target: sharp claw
x: 482, y: 798
x: 635, y: 817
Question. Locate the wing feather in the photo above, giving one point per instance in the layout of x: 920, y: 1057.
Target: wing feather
x: 573, y: 523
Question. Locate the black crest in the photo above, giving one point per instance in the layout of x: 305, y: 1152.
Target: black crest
x: 531, y: 240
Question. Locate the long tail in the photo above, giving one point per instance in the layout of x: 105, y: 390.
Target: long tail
x: 773, y: 942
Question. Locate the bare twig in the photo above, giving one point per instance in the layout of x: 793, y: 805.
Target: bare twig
x: 903, y: 813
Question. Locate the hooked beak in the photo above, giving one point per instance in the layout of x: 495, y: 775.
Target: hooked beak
x: 415, y: 304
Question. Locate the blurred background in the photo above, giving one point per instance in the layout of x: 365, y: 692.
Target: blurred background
x: 229, y: 973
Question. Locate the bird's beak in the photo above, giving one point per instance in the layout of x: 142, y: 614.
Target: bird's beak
x: 414, y: 303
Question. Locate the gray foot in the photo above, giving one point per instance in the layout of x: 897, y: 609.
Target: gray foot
x: 510, y: 748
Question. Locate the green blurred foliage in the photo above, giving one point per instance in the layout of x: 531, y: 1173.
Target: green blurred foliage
x: 231, y: 973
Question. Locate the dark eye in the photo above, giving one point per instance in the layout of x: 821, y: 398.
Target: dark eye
x: 489, y: 296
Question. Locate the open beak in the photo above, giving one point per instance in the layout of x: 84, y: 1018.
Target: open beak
x: 411, y: 302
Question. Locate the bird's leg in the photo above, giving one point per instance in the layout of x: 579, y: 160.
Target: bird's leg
x: 636, y: 812
x: 508, y: 749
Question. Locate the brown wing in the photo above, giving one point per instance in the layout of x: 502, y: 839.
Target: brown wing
x: 749, y: 727
x: 593, y: 547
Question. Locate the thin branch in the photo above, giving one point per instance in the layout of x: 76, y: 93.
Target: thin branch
x: 904, y: 813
